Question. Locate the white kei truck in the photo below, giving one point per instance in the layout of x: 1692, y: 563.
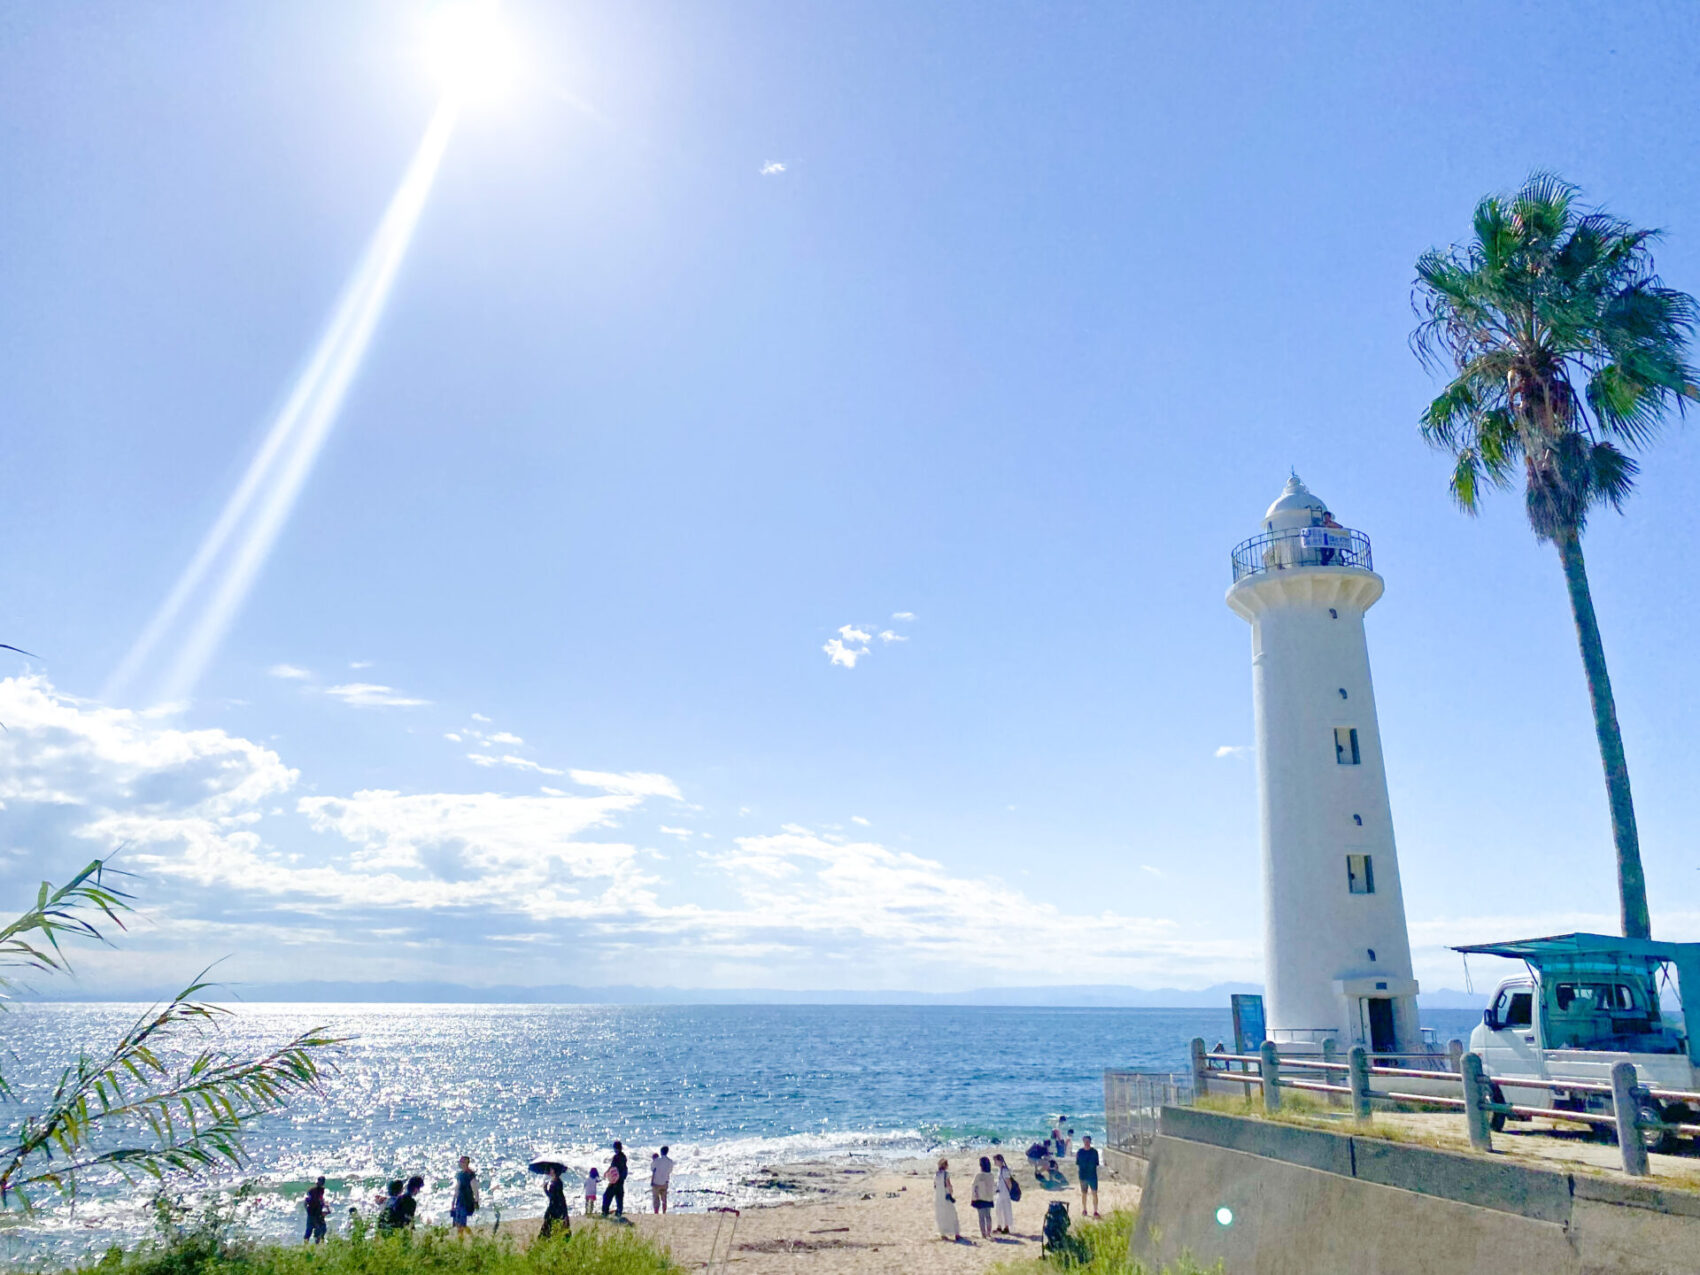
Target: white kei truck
x: 1586, y: 1002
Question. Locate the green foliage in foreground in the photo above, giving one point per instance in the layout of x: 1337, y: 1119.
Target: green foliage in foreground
x: 209, y: 1246
x: 1106, y: 1245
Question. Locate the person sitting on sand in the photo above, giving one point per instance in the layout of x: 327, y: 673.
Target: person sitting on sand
x: 556, y: 1211
x: 1086, y: 1169
x: 1003, y: 1200
x: 592, y: 1185
x: 980, y: 1195
x: 944, y: 1204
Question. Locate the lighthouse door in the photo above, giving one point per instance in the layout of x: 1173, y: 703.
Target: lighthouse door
x: 1381, y: 1036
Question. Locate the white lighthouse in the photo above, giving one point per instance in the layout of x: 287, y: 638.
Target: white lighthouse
x: 1337, y: 959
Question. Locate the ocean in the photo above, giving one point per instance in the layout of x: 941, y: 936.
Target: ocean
x: 730, y: 1088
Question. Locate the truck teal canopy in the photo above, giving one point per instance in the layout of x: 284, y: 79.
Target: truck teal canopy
x: 1602, y: 952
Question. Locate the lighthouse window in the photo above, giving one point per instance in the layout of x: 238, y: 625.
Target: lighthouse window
x: 1346, y: 746
x: 1360, y: 874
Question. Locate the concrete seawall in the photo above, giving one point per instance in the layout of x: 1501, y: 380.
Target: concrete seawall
x: 1310, y: 1202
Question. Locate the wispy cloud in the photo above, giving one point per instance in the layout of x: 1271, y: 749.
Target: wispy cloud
x: 860, y: 820
x: 290, y: 672
x: 359, y: 664
x: 772, y: 168
x: 903, y: 615
x: 684, y: 834
x: 371, y: 695
x: 516, y: 763
x: 479, y: 717
x: 1234, y: 750
x: 630, y: 784
x: 886, y: 635
x: 1156, y: 872
x: 504, y: 737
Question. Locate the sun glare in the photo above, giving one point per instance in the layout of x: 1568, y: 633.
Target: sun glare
x: 470, y: 52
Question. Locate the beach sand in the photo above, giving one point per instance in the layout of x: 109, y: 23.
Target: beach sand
x: 854, y: 1218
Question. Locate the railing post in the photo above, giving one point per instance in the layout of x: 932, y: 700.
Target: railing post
x: 1476, y: 1116
x: 1455, y: 1055
x: 1271, y: 1067
x: 1200, y: 1068
x: 1358, y: 1059
x: 1331, y: 1054
x: 1625, y: 1106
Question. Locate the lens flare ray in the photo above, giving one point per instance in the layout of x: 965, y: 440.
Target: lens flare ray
x: 247, y: 527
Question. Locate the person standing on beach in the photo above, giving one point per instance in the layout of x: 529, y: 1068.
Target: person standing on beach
x: 615, y: 1193
x: 315, y: 1214
x: 944, y: 1204
x: 660, y: 1174
x: 406, y: 1206
x: 466, y: 1195
x: 1086, y: 1169
x: 1003, y: 1200
x: 592, y: 1185
x: 981, y: 1195
x: 556, y: 1212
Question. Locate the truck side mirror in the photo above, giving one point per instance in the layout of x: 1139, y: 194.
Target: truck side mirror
x: 1488, y: 1020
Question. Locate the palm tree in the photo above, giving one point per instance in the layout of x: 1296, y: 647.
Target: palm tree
x: 1567, y: 352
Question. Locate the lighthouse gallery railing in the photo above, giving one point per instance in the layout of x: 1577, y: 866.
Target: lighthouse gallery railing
x: 1302, y: 547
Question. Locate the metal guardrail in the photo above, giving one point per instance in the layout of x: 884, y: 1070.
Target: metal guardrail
x: 1302, y: 547
x: 1476, y: 1100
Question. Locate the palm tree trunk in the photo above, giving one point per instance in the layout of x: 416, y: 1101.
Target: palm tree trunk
x: 1631, y: 884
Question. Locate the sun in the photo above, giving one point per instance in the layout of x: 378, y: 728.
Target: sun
x: 470, y: 52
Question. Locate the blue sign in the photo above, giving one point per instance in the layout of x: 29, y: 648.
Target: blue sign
x: 1249, y: 1033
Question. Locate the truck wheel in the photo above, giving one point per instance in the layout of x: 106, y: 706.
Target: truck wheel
x: 1496, y: 1121
x: 1655, y: 1139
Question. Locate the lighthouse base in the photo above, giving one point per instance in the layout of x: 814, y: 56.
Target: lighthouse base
x: 1378, y: 1013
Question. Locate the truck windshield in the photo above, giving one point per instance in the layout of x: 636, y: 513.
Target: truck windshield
x: 1514, y: 1008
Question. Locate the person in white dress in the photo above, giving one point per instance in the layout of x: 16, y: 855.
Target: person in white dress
x: 1005, y: 1209
x: 944, y: 1204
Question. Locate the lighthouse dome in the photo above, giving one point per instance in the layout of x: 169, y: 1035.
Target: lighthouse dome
x: 1294, y: 507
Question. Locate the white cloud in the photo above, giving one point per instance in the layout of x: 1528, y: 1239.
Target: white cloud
x: 508, y: 759
x: 479, y: 717
x: 886, y: 635
x: 850, y: 645
x: 371, y: 695
x: 1233, y: 750
x: 903, y: 615
x: 202, y: 814
x: 772, y: 168
x: 859, y: 819
x: 504, y: 737
x: 1146, y: 867
x: 359, y: 664
x: 632, y: 783
x: 290, y: 672
x: 452, y: 736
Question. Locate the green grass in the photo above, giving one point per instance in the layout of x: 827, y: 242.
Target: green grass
x: 210, y: 1243
x: 1106, y: 1245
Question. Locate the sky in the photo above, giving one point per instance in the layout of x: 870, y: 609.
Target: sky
x: 776, y: 535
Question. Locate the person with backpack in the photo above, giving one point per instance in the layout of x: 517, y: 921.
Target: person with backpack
x: 615, y: 1191
x: 315, y: 1205
x: 466, y: 1195
x: 1008, y: 1192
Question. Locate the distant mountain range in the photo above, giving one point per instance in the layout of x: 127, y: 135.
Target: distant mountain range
x: 1082, y: 996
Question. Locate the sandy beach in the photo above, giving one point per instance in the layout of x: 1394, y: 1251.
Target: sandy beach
x: 854, y: 1218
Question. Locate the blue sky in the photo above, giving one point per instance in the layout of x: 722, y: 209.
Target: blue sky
x: 737, y: 324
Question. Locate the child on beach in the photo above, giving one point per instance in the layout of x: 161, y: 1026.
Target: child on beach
x: 592, y: 1188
